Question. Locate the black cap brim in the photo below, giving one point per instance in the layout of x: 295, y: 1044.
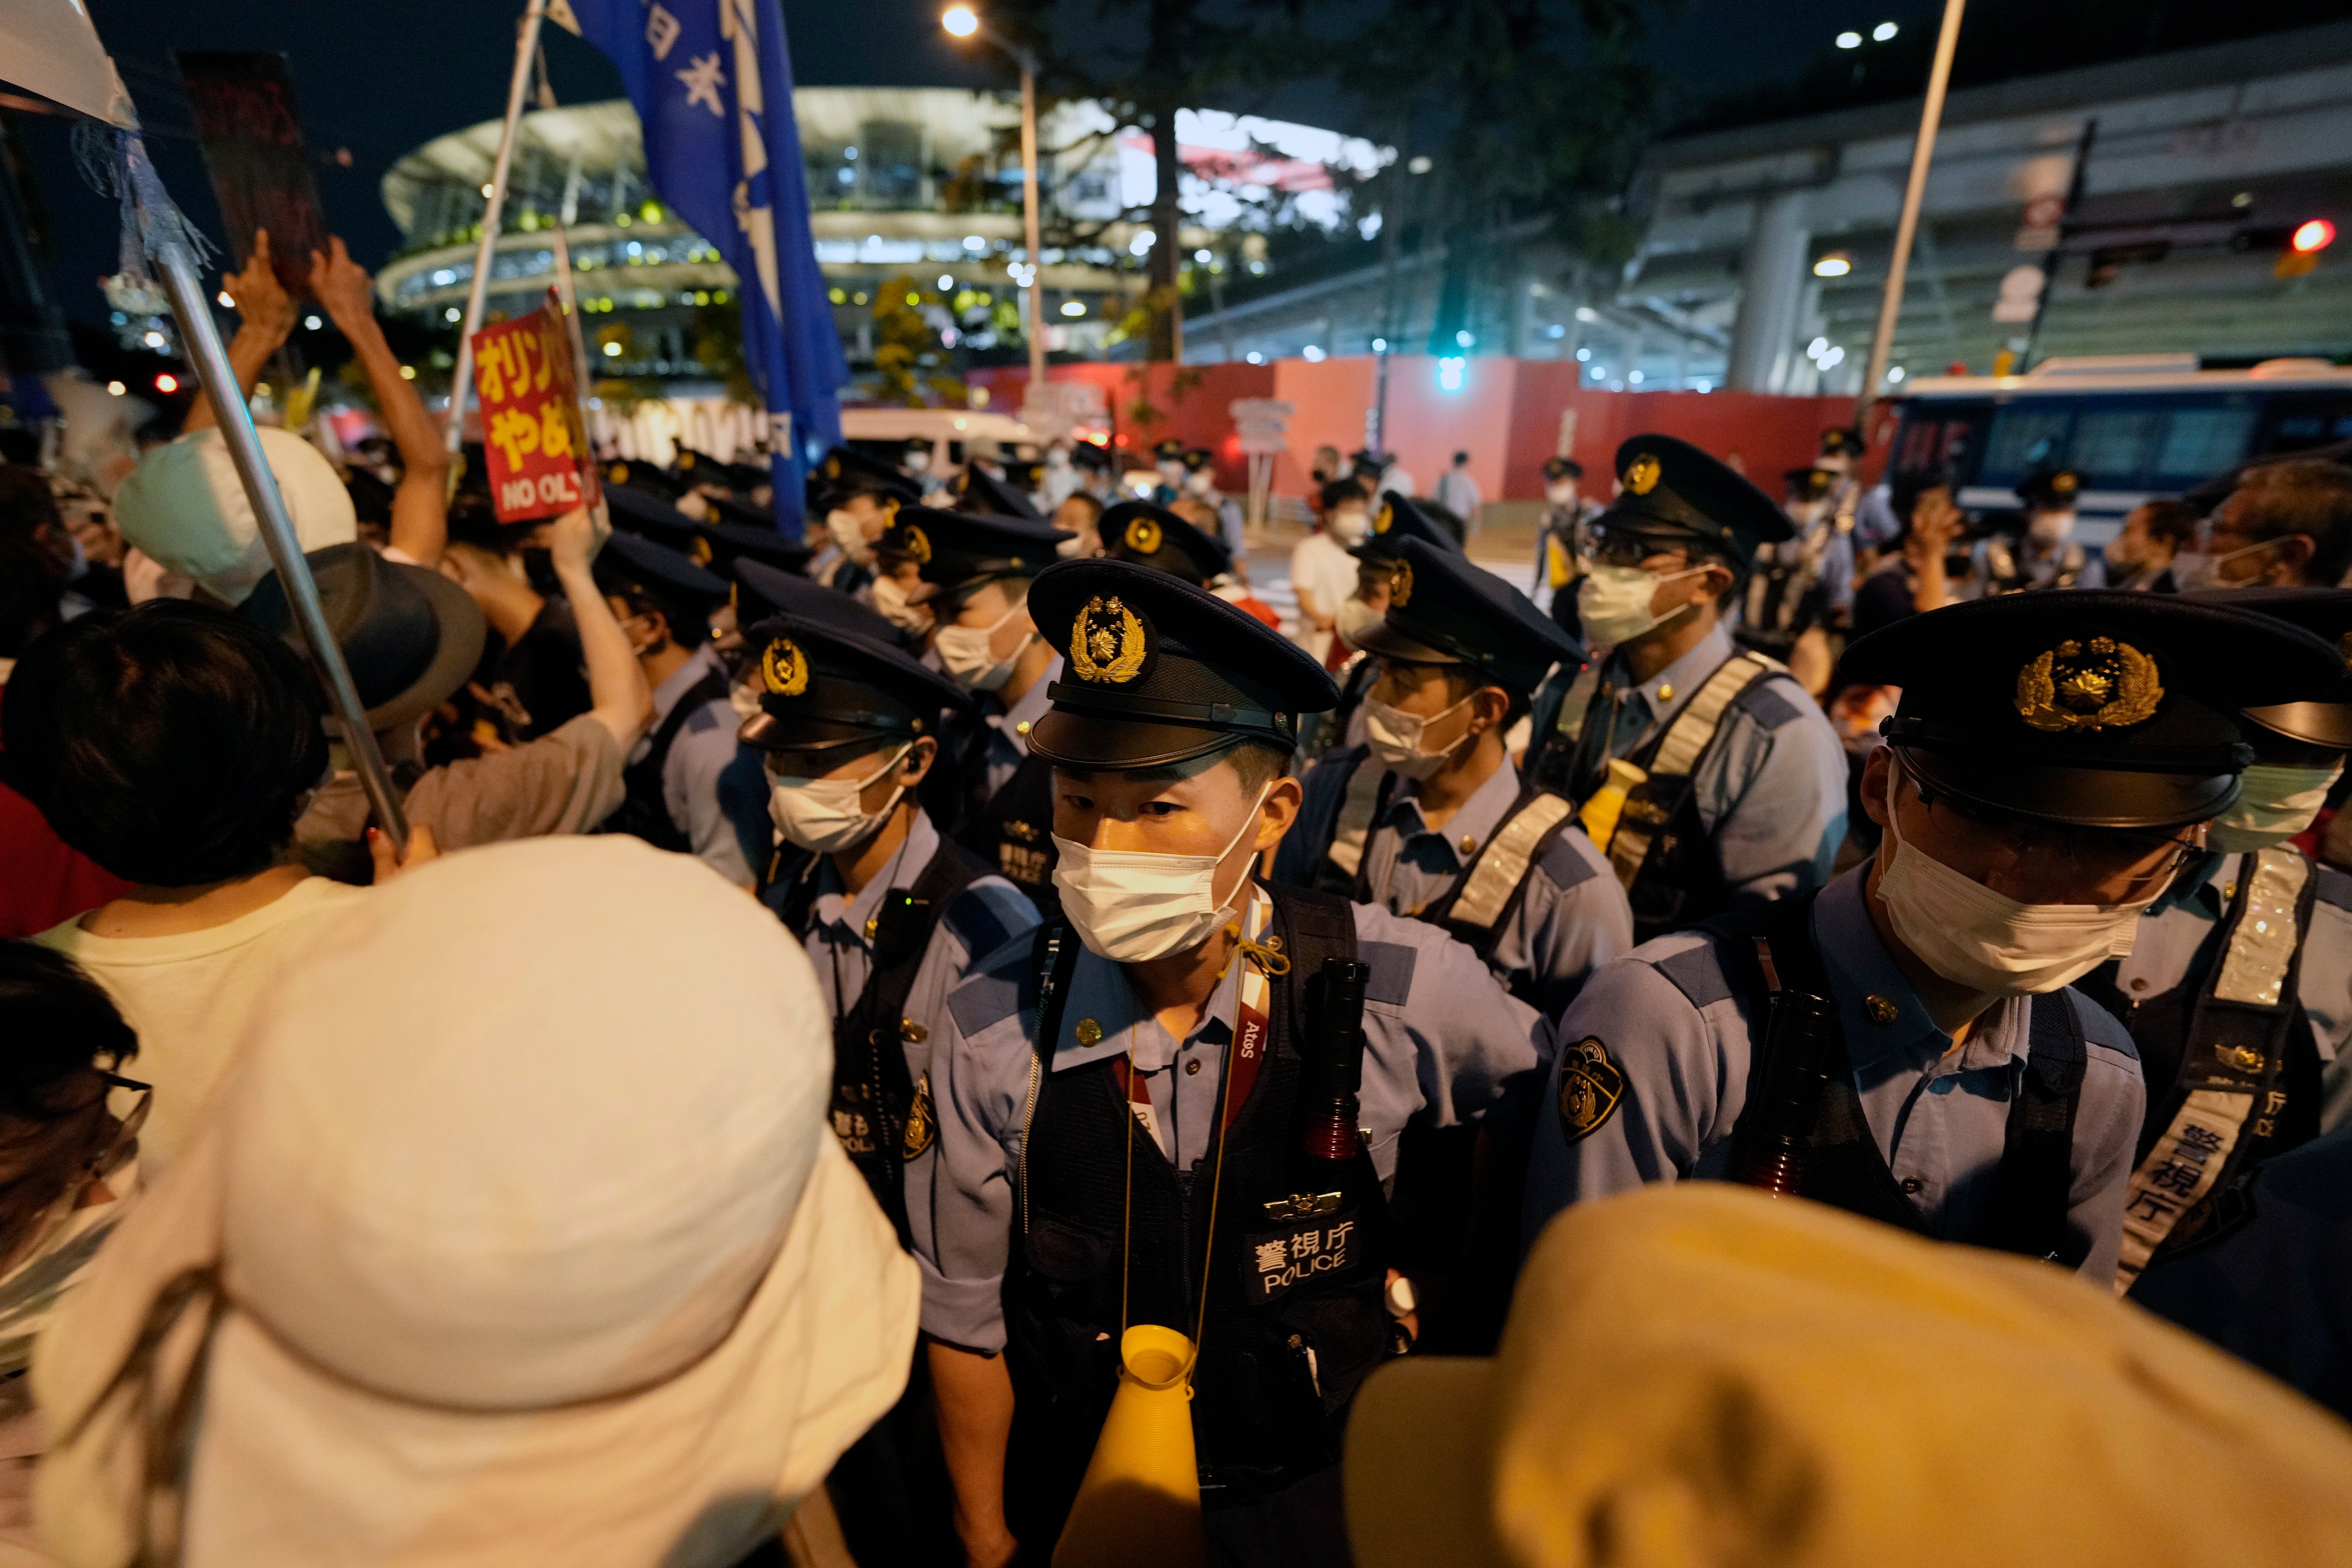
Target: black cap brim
x: 2326, y: 724
x: 2070, y: 797
x: 1086, y: 744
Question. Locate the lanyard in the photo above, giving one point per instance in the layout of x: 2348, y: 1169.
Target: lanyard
x: 1252, y: 1031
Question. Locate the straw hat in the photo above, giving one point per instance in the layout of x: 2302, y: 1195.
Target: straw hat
x: 1701, y: 1375
x: 186, y: 506
x: 525, y: 1237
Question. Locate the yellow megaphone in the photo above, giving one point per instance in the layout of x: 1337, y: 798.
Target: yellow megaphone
x: 1608, y: 803
x: 1140, y: 1504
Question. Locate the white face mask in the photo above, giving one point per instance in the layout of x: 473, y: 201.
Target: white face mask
x: 1353, y: 619
x: 2200, y: 571
x: 823, y: 814
x: 890, y: 602
x: 1351, y: 525
x: 848, y: 536
x: 964, y: 653
x: 1560, y: 494
x: 1058, y: 460
x: 1198, y: 484
x: 744, y: 698
x: 1613, y: 602
x: 919, y: 462
x: 2274, y: 805
x: 1989, y: 944
x: 2049, y: 527
x: 1172, y: 474
x: 1131, y: 906
x: 1396, y: 738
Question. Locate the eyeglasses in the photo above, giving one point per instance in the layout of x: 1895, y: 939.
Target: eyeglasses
x: 2145, y: 862
x: 1620, y: 547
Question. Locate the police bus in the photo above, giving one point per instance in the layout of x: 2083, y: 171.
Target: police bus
x: 2133, y: 426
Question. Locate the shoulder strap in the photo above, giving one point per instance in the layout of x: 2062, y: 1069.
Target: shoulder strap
x: 709, y: 688
x: 1493, y: 886
x: 2240, y: 1027
x: 2032, y: 1187
x: 1675, y: 758
x: 1360, y: 806
x: 1360, y: 884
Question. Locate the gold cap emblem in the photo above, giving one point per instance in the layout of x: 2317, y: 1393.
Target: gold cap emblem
x: 2064, y: 482
x: 784, y: 668
x: 915, y: 545
x: 2096, y: 685
x: 1142, y: 535
x: 1107, y: 642
x: 684, y: 461
x: 1642, y: 475
x: 1401, y: 585
x: 618, y: 473
x: 1381, y: 524
x: 700, y: 552
x: 833, y: 467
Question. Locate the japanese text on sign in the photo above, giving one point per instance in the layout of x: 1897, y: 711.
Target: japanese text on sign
x: 532, y: 436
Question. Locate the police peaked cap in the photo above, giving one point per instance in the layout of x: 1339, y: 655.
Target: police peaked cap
x: 733, y: 542
x: 1198, y: 457
x: 1153, y: 536
x: 1444, y: 608
x: 1158, y: 671
x: 762, y: 591
x: 1171, y: 450
x: 821, y: 686
x: 2054, y: 490
x: 2089, y: 708
x: 2324, y: 719
x: 846, y: 471
x: 1841, y: 442
x: 982, y: 491
x: 1668, y: 486
x: 1810, y: 484
x: 955, y: 549
x: 702, y: 468
x: 1087, y: 454
x: 644, y: 476
x: 634, y: 511
x: 1562, y: 468
x: 685, y: 591
x: 1396, y: 520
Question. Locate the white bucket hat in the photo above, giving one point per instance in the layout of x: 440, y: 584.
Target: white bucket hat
x: 186, y: 506
x: 517, y: 1233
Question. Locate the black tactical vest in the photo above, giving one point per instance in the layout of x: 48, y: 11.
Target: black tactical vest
x: 1283, y: 1348
x: 644, y: 812
x: 1014, y: 833
x: 2032, y: 1187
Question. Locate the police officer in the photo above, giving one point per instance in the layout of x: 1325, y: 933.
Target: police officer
x: 1119, y: 1099
x: 1733, y: 781
x: 1153, y: 536
x: 857, y: 496
x: 974, y: 572
x: 2041, y: 783
x: 1804, y: 583
x: 1200, y: 485
x: 979, y: 491
x: 1392, y: 521
x: 1457, y: 838
x: 2046, y: 554
x: 1559, y: 546
x: 1168, y: 459
x: 2237, y: 991
x: 664, y: 602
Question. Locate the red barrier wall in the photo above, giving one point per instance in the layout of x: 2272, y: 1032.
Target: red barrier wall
x: 1506, y: 414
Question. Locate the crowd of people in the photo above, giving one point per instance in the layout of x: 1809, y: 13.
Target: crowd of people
x: 1681, y: 1068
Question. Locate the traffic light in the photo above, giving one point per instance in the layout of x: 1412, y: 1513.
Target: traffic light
x: 2302, y: 247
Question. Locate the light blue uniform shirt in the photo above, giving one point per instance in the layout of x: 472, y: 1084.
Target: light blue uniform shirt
x: 987, y: 914
x: 1439, y: 1040
x: 1008, y: 732
x: 701, y: 751
x: 1571, y: 918
x: 1771, y: 789
x: 2183, y: 935
x: 1680, y: 1033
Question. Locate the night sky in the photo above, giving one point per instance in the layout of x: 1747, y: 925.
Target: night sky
x: 380, y: 78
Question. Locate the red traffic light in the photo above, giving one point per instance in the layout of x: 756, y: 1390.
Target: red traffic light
x: 2316, y: 235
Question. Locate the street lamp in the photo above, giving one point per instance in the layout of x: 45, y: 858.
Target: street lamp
x: 963, y: 22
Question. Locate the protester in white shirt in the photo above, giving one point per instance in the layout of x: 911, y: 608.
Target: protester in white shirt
x: 1458, y: 493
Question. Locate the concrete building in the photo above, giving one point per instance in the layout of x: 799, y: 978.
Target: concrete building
x: 1764, y: 248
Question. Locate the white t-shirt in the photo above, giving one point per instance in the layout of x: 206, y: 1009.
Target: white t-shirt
x: 1321, y: 569
x: 191, y: 995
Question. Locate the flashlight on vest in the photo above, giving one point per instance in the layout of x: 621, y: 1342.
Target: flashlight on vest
x: 1335, y: 1066
x: 1780, y: 1124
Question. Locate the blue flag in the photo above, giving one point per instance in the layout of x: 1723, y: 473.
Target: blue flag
x: 712, y: 82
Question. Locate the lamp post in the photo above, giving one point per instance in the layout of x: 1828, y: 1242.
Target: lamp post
x: 963, y: 22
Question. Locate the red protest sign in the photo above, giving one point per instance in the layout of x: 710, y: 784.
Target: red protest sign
x: 532, y: 434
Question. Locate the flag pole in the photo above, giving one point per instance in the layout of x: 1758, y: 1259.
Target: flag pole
x: 1890, y: 304
x: 183, y: 285
x: 478, y: 295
